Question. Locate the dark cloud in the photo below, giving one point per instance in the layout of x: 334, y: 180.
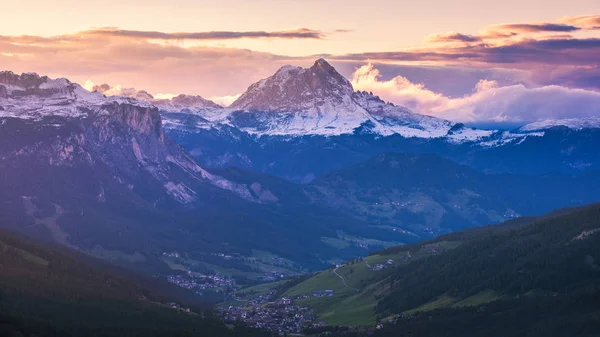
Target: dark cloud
x: 536, y: 27
x: 575, y: 52
x: 453, y: 37
x: 302, y: 33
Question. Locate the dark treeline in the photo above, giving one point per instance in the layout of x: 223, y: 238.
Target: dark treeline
x: 48, y: 292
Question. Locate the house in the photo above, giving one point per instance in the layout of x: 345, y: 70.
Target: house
x: 390, y: 261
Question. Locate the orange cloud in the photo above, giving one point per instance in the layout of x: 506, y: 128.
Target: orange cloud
x: 585, y: 21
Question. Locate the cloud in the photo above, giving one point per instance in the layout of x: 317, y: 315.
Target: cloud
x: 301, y: 33
x: 521, y: 53
x: 535, y: 27
x: 203, y: 70
x: 162, y: 62
x: 452, y: 37
x: 585, y: 22
x: 164, y: 96
x: 398, y: 90
x: 488, y: 102
x: 108, y: 90
x: 226, y: 100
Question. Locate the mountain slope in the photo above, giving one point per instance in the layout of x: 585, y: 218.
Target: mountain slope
x: 99, y: 174
x: 50, y: 292
x: 320, y: 101
x: 302, y: 123
x: 426, y: 192
x: 513, y: 267
x: 174, y: 104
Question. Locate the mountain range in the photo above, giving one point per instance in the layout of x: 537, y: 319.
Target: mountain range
x: 302, y: 123
x: 300, y: 173
x: 127, y: 178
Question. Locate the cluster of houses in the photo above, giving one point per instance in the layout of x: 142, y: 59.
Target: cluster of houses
x: 176, y: 306
x: 323, y: 293
x: 217, y: 283
x: 280, y: 317
x: 400, y: 204
x: 381, y: 266
x: 172, y: 254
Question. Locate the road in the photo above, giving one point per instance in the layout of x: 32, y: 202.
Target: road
x: 344, y: 280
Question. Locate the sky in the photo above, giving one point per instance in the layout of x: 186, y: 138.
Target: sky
x: 465, y: 60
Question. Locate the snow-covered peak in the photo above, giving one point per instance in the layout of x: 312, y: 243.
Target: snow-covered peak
x: 320, y: 101
x: 31, y: 96
x: 571, y: 123
x: 185, y: 102
x: 175, y: 104
x: 296, y: 89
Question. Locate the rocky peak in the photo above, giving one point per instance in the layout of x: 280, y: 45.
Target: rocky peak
x: 177, y: 103
x: 143, y: 95
x: 295, y: 88
x: 193, y: 101
x: 324, y: 75
x: 28, y: 84
x: 142, y: 120
x: 25, y: 80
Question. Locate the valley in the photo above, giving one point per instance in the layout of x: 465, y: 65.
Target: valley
x: 304, y: 207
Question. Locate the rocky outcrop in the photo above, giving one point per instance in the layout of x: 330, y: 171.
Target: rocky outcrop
x: 25, y: 80
x: 32, y: 84
x: 191, y: 101
x: 293, y: 88
x: 3, y: 92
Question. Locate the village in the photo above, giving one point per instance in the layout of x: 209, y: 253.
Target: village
x: 280, y: 316
x: 199, y: 284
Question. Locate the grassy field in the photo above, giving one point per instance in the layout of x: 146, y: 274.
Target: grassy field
x: 25, y: 254
x: 261, y: 289
x: 350, y: 307
x: 480, y: 298
x: 441, y: 302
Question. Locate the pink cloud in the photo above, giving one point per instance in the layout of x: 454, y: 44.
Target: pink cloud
x: 488, y: 102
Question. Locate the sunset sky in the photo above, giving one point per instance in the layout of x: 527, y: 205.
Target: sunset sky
x: 436, y: 56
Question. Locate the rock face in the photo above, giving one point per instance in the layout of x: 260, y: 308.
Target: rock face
x: 3, y: 92
x: 320, y: 101
x: 29, y: 84
x: 185, y: 102
x: 99, y: 174
x: 294, y: 88
x: 175, y: 104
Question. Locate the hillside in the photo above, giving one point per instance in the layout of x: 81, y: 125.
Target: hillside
x: 426, y: 193
x: 98, y: 174
x: 47, y: 291
x: 545, y: 259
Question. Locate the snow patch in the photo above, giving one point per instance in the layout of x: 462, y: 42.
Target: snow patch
x: 586, y: 234
x: 180, y: 192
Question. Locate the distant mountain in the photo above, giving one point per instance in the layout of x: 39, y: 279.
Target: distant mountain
x: 48, y: 291
x: 98, y: 174
x: 177, y: 103
x: 104, y: 175
x: 405, y: 197
x: 571, y: 123
x: 320, y: 101
x: 301, y: 123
